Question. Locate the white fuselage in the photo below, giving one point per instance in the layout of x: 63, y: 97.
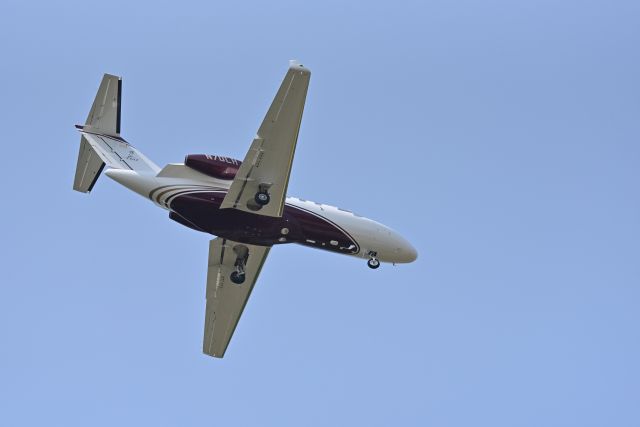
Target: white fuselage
x: 174, y: 179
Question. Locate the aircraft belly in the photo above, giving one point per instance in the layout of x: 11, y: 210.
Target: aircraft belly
x: 201, y: 210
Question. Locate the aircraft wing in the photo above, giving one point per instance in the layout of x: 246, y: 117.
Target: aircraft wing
x: 267, y: 165
x: 226, y: 299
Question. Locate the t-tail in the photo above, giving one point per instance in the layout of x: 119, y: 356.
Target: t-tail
x: 101, y: 143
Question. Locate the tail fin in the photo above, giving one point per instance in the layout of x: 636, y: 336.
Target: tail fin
x: 104, y: 116
x: 101, y: 144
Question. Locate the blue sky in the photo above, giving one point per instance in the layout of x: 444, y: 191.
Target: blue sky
x: 500, y: 137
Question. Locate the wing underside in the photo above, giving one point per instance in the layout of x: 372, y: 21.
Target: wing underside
x: 267, y: 165
x: 225, y: 299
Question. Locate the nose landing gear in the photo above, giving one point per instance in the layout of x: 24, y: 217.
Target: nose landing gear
x: 373, y: 262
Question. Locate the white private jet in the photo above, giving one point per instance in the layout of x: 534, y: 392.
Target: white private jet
x: 244, y: 203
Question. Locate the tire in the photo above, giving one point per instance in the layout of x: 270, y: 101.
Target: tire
x: 262, y: 198
x: 373, y: 263
x: 236, y: 278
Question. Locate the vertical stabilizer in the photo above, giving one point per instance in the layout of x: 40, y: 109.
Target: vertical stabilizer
x: 104, y: 116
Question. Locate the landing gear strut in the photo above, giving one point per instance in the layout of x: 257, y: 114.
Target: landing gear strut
x: 373, y: 261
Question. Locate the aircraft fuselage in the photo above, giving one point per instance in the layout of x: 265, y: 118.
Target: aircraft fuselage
x: 193, y: 200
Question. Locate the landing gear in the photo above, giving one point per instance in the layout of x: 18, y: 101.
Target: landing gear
x: 237, y: 277
x: 242, y: 253
x: 262, y: 198
x: 373, y: 261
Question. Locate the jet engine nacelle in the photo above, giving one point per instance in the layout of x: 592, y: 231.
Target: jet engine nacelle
x: 215, y: 166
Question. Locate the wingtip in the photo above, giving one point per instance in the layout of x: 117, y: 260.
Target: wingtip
x: 212, y: 354
x: 113, y: 76
x: 294, y: 64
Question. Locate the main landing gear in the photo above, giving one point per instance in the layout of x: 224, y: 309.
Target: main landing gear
x: 262, y: 198
x: 373, y: 261
x: 238, y: 275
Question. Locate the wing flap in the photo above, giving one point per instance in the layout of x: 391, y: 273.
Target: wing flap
x: 226, y: 300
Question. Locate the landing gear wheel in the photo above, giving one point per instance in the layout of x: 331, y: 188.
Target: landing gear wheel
x: 262, y: 198
x: 237, y: 278
x: 373, y: 263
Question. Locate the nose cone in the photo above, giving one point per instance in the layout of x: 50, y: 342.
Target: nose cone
x: 406, y: 253
x: 400, y: 250
x: 410, y: 253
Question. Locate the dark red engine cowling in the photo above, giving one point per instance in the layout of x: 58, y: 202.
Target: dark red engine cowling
x: 214, y: 166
